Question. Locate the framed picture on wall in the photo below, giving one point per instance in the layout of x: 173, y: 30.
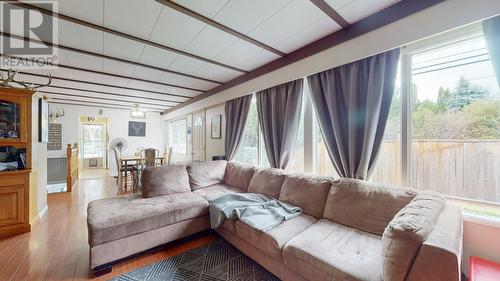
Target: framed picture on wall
x: 43, y: 121
x: 136, y: 129
x: 215, y: 124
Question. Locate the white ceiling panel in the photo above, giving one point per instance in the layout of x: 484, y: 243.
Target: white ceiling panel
x: 244, y: 15
x: 123, y: 48
x: 196, y: 83
x: 204, y: 7
x: 288, y: 21
x: 80, y: 37
x: 146, y: 73
x: 175, y: 29
x: 88, y: 10
x: 116, y: 67
x: 216, y: 72
x: 80, y: 60
x: 210, y: 42
x: 359, y: 9
x: 309, y: 34
x: 132, y: 16
x: 186, y: 64
x: 338, y: 4
x: 174, y: 90
x: 245, y: 55
x: 157, y: 57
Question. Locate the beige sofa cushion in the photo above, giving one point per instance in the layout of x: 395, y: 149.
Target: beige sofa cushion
x: 331, y: 251
x: 267, y: 181
x: 273, y: 241
x: 364, y: 205
x: 205, y: 174
x: 110, y: 219
x: 238, y: 175
x: 403, y: 237
x: 306, y: 191
x: 166, y: 180
x: 215, y: 191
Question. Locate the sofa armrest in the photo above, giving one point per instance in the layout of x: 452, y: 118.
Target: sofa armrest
x: 440, y: 255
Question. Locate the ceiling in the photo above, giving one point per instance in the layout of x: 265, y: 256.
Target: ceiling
x: 159, y: 54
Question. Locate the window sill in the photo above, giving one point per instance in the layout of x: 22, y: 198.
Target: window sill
x: 482, y: 220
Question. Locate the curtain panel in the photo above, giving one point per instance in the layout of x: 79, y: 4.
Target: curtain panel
x: 491, y: 31
x: 279, y: 110
x: 352, y: 104
x: 236, y: 117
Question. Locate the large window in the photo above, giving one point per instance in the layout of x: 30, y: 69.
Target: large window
x: 249, y: 147
x: 178, y: 136
x: 455, y: 128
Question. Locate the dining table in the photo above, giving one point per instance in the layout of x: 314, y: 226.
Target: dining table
x: 134, y: 160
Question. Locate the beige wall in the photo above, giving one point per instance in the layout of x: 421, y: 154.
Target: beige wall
x: 38, y: 176
x: 215, y: 147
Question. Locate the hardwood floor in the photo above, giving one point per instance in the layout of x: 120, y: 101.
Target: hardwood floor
x: 57, y: 247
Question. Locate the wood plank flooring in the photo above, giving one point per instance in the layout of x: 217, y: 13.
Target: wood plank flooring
x: 57, y: 247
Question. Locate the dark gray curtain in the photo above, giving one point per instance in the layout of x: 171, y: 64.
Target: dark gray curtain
x: 279, y: 115
x: 236, y: 118
x: 352, y: 104
x: 491, y: 31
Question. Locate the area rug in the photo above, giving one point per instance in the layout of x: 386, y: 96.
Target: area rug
x: 216, y: 261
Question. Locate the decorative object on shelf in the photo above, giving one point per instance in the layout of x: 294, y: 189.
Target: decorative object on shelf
x: 55, y: 115
x: 8, y: 81
x: 12, y: 159
x: 43, y: 120
x: 215, y: 124
x: 136, y: 129
x: 55, y: 137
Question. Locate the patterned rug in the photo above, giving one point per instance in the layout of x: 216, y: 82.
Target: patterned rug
x: 216, y: 261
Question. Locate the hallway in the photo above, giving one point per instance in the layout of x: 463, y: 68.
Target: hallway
x: 57, y: 248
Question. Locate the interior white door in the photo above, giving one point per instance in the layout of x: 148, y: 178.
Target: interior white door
x: 198, y: 152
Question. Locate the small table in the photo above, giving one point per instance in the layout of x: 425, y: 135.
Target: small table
x: 125, y: 160
x: 483, y: 270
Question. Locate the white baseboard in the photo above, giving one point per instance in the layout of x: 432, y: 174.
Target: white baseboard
x: 39, y: 216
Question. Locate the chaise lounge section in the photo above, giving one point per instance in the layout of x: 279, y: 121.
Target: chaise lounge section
x: 349, y: 230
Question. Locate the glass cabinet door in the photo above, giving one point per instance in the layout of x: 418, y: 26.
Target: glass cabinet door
x: 10, y: 126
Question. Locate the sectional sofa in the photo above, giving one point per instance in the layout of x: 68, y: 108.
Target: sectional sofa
x: 349, y: 229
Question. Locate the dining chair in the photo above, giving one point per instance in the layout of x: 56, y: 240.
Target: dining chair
x: 150, y: 157
x: 169, y: 156
x: 122, y: 169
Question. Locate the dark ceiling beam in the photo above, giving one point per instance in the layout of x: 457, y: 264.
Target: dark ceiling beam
x: 98, y: 104
x: 329, y: 11
x: 124, y: 35
x: 103, y: 84
x: 115, y: 75
x: 50, y: 93
x: 89, y: 105
x: 388, y: 15
x: 71, y: 49
x: 110, y: 94
x: 219, y: 26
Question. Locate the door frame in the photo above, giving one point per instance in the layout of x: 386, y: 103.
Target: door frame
x: 203, y: 113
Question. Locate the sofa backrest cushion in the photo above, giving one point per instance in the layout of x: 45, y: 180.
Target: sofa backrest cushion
x: 166, y: 180
x: 238, y: 175
x: 205, y: 174
x: 306, y: 191
x: 365, y: 206
x: 267, y: 181
x: 404, y: 235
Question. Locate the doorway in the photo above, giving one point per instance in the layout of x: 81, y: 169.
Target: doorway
x: 198, y: 152
x: 94, y: 145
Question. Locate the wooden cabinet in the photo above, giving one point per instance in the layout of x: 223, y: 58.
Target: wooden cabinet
x: 15, y: 135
